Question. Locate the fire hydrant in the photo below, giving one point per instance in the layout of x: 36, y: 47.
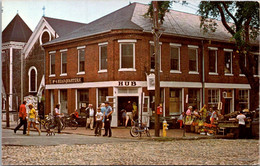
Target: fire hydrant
x: 165, y: 127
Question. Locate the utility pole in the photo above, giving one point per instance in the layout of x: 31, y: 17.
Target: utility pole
x: 157, y: 65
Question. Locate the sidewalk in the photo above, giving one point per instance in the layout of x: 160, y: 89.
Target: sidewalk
x: 122, y: 132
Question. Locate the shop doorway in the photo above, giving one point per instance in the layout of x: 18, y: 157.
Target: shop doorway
x: 122, y: 101
x: 227, y: 108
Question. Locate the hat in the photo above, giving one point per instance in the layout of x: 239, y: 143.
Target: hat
x: 102, y: 105
x: 190, y: 107
x: 106, y: 102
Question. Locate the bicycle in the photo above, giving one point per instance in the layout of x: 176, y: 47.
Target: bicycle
x: 70, y: 122
x: 138, y: 129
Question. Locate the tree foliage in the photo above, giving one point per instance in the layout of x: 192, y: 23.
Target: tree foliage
x: 241, y: 20
x: 163, y: 7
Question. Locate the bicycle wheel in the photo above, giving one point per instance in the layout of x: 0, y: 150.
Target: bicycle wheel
x: 134, y: 131
x: 73, y: 125
x: 147, y: 133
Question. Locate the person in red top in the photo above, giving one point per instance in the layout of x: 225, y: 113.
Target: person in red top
x: 75, y: 114
x: 22, y: 117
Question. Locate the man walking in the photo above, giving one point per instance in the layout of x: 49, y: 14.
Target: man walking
x: 22, y: 117
x: 129, y: 113
x: 90, y: 115
x: 108, y: 119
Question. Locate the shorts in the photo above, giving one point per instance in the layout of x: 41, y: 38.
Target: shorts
x: 31, y: 120
x: 129, y: 115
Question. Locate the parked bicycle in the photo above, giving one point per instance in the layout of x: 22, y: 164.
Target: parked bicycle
x: 69, y: 122
x: 138, y: 129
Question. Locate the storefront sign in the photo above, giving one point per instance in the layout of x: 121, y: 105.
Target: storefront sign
x: 67, y: 80
x: 126, y: 83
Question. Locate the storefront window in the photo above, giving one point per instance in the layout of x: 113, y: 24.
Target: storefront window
x: 83, y: 99
x: 175, y: 106
x: 194, y: 98
x: 63, y: 101
x: 213, y: 98
x: 243, y: 99
x: 102, y: 94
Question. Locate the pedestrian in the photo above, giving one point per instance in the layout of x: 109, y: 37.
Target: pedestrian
x: 129, y: 112
x: 123, y: 111
x: 242, y: 124
x: 90, y: 114
x: 188, y: 114
x: 22, y: 117
x: 32, y: 119
x: 135, y: 112
x: 213, y: 116
x: 57, y: 117
x: 74, y: 115
x: 203, y: 112
x: 180, y: 119
x: 99, y: 118
x: 103, y: 112
x: 209, y: 114
x: 108, y: 119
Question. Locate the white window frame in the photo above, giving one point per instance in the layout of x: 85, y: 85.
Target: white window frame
x: 127, y: 41
x: 231, y: 69
x: 45, y: 30
x: 197, y: 60
x: 178, y: 46
x: 50, y: 54
x: 99, y: 68
x: 62, y: 51
x: 248, y: 91
x: 29, y: 74
x: 160, y: 43
x: 219, y: 96
x: 216, y: 60
x: 78, y: 49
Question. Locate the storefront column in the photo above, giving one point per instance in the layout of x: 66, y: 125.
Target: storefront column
x: 92, y: 97
x: 47, y: 102
x: 56, y: 98
x: 167, y: 101
x: 236, y: 99
x: 71, y: 100
x: 206, y: 97
x: 186, y: 92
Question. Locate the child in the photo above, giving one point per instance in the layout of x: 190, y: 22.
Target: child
x: 99, y: 118
x: 32, y: 119
x: 181, y: 118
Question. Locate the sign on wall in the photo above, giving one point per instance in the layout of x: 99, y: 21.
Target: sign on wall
x: 150, y: 82
x: 67, y: 80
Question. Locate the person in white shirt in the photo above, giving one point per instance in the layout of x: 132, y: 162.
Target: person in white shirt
x: 90, y: 114
x: 242, y: 124
x: 99, y: 118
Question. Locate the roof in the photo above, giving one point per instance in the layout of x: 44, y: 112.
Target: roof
x: 132, y: 17
x: 63, y: 27
x: 17, y: 30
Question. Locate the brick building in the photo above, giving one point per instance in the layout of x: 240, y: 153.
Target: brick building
x: 110, y: 58
x: 19, y: 41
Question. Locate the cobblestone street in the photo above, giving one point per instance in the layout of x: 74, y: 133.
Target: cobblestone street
x: 179, y: 152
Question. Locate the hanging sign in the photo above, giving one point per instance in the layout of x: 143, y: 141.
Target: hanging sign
x: 150, y: 82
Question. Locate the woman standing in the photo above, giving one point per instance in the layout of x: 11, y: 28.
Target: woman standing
x: 32, y: 119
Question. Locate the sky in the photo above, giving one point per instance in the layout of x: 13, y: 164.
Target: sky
x: 83, y: 11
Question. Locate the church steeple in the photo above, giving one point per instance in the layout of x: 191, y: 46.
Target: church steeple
x: 17, y: 30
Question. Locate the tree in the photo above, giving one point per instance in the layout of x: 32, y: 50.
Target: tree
x: 241, y: 20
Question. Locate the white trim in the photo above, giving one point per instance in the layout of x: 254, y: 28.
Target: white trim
x: 242, y: 75
x: 229, y: 74
x: 213, y: 48
x: 29, y: 74
x: 177, y: 84
x: 197, y: 59
x: 81, y: 73
x: 63, y: 50
x: 256, y: 75
x: 175, y: 72
x: 99, y: 56
x: 102, y: 71
x: 104, y: 43
x: 53, y: 75
x: 63, y: 74
x: 52, y: 52
x: 81, y: 47
x: 127, y: 41
x: 59, y: 98
x: 193, y: 46
x: 76, y: 99
x: 40, y: 38
x: 42, y: 86
x: 193, y: 72
x: 126, y: 69
x: 178, y: 46
x: 11, y: 80
x: 61, y: 55
x: 227, y: 86
x: 120, y: 63
x: 175, y: 44
x: 14, y: 45
x: 228, y: 50
x: 152, y: 42
x: 183, y: 101
x: 43, y: 24
x: 210, y: 73
x: 78, y: 49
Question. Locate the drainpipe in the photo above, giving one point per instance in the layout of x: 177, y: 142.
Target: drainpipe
x: 203, y: 73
